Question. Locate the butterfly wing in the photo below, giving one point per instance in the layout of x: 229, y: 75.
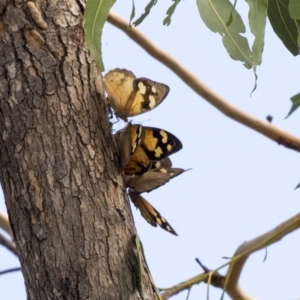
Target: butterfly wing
x: 152, y: 179
x: 147, y: 182
x: 118, y: 84
x: 163, y: 163
x: 147, y: 95
x: 149, y: 213
x: 139, y: 163
x: 159, y: 143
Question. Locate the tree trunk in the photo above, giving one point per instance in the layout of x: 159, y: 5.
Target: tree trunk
x: 58, y: 163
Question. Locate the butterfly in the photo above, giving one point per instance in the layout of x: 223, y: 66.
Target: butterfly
x: 149, y: 213
x: 150, y: 145
x: 130, y: 96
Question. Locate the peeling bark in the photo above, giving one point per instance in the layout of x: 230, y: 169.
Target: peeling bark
x: 58, y: 163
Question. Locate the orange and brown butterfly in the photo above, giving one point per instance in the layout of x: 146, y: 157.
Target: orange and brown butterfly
x: 155, y: 144
x: 149, y: 213
x: 130, y: 96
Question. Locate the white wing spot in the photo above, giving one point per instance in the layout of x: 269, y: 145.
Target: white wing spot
x: 158, y: 152
x: 142, y: 88
x: 164, y: 136
x: 158, y: 220
x: 169, y: 147
x: 152, y: 101
x: 153, y: 89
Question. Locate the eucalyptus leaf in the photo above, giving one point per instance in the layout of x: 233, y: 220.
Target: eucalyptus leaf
x: 95, y: 15
x: 294, y: 9
x: 221, y: 16
x: 257, y: 21
x: 132, y: 15
x: 284, y: 26
x: 146, y: 13
x: 296, y: 103
x: 170, y: 12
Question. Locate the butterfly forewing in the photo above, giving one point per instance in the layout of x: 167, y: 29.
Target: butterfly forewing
x: 137, y: 136
x: 147, y: 95
x: 159, y: 143
x: 150, y: 214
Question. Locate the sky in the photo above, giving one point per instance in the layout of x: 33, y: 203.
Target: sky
x: 241, y: 184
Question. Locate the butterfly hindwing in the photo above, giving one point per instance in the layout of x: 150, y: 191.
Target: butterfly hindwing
x: 152, y: 179
x: 139, y: 163
x: 147, y: 182
x: 130, y: 96
x: 163, y: 163
x: 118, y: 84
x: 149, y: 213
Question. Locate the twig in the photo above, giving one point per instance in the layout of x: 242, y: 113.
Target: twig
x: 4, y: 223
x: 247, y: 248
x: 263, y: 127
x: 8, y: 244
x: 10, y: 270
x: 186, y: 285
x: 230, y: 282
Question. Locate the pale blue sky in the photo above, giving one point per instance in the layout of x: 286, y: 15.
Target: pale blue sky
x: 241, y: 185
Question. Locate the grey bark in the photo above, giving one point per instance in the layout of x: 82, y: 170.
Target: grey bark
x: 58, y: 163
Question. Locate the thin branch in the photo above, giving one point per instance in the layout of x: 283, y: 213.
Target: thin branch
x: 4, y: 223
x: 230, y: 281
x: 8, y: 244
x: 263, y: 127
x: 185, y: 285
x: 10, y: 271
x: 247, y: 248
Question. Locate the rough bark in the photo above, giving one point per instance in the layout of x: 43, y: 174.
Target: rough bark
x: 58, y: 164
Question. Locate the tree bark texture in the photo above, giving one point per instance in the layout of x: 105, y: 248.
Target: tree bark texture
x: 58, y: 163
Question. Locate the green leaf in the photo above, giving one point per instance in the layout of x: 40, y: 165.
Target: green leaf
x: 284, y: 26
x: 257, y: 21
x: 170, y: 12
x: 294, y: 9
x: 146, y: 13
x: 296, y: 103
x: 216, y: 14
x: 132, y: 15
x: 95, y: 15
